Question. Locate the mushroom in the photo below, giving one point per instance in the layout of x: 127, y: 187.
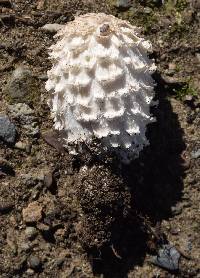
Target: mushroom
x: 100, y: 84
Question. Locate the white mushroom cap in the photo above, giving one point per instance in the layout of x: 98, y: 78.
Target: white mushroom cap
x: 101, y: 84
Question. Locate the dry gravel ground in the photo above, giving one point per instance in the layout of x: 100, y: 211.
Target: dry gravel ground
x: 50, y: 225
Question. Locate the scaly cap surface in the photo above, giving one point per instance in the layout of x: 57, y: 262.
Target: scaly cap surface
x: 101, y: 84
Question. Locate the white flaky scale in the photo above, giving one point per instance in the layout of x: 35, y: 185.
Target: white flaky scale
x: 101, y: 84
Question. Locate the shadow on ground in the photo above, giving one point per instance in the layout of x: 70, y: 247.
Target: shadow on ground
x: 155, y: 182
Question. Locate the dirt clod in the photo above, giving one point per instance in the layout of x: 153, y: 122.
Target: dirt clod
x: 33, y: 213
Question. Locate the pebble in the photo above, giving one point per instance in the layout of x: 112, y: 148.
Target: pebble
x: 34, y: 262
x: 195, y: 154
x: 43, y: 227
x: 167, y: 258
x: 22, y: 86
x: 31, y: 232
x: 23, y: 146
x: 30, y: 271
x: 20, y: 110
x: 52, y: 139
x: 32, y: 129
x: 52, y: 28
x: 33, y: 213
x: 147, y: 10
x: 123, y: 3
x: 8, y: 131
x: 26, y: 117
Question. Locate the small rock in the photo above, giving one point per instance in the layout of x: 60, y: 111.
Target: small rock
x: 123, y: 3
x: 147, y: 10
x: 22, y: 86
x: 8, y: 131
x: 167, y: 258
x: 26, y: 116
x: 20, y: 110
x: 52, y: 28
x: 23, y: 146
x: 31, y: 232
x: 33, y: 213
x: 32, y: 129
x: 165, y: 22
x: 34, y: 262
x: 30, y: 271
x: 195, y: 154
x: 43, y: 227
x: 52, y: 139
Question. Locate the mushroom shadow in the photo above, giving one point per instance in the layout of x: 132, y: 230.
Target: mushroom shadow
x: 155, y: 182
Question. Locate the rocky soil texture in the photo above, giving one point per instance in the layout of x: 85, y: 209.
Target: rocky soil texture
x: 141, y: 220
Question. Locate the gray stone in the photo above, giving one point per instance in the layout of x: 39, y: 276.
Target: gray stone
x: 123, y: 3
x: 26, y: 116
x: 167, y: 258
x: 34, y: 262
x: 195, y: 154
x: 7, y: 130
x: 22, y: 86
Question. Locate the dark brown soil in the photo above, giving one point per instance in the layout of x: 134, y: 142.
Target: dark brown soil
x: 51, y: 224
